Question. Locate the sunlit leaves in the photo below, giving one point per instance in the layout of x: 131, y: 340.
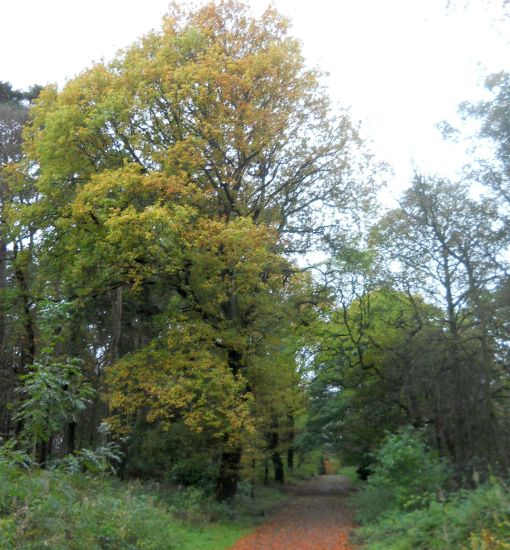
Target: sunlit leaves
x: 187, y: 379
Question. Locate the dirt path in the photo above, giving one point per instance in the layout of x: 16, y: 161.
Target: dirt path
x: 315, y: 518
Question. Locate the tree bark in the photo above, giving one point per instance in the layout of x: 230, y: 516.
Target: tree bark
x: 28, y: 351
x: 230, y: 465
x: 3, y: 288
x: 44, y: 452
x: 290, y: 449
x: 279, y: 475
x: 274, y: 441
x: 116, y: 324
x: 228, y: 477
x: 71, y: 437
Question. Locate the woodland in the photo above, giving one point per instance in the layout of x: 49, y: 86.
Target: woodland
x: 202, y: 297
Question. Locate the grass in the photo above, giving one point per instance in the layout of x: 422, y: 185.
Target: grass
x: 213, y: 537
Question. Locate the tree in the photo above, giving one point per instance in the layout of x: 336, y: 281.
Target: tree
x: 183, y: 171
x: 13, y: 115
x: 493, y: 168
x: 367, y: 377
x: 17, y: 334
x: 450, y: 248
x: 417, y: 334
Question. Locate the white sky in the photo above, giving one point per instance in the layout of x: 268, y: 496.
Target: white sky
x: 402, y: 65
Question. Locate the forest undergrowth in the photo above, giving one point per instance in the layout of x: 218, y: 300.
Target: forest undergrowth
x: 74, y: 511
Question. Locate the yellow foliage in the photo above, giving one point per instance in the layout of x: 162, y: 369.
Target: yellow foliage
x: 189, y: 380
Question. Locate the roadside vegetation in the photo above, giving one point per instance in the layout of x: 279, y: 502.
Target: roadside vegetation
x: 409, y: 501
x: 63, y: 510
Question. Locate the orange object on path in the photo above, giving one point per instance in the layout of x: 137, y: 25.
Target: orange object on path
x: 315, y: 518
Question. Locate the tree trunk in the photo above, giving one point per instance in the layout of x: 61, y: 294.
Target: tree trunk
x: 274, y: 441
x: 279, y: 476
x: 290, y: 458
x: 290, y: 449
x: 228, y: 477
x: 116, y: 324
x: 253, y: 479
x: 6, y: 367
x: 43, y: 452
x: 21, y: 274
x: 3, y: 289
x: 71, y: 437
x: 230, y: 465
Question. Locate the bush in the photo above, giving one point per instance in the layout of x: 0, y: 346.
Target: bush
x: 11, y: 455
x: 469, y: 520
x: 53, y: 394
x: 177, y: 456
x: 406, y: 476
x: 351, y: 473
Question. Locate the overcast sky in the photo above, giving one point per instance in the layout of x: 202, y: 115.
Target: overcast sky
x: 401, y: 65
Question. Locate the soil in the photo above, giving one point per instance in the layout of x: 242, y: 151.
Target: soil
x: 316, y: 517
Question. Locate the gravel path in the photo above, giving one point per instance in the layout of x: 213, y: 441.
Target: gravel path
x: 315, y: 518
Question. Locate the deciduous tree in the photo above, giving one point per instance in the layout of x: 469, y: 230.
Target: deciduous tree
x: 185, y: 169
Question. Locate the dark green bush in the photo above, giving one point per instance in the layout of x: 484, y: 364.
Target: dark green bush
x: 177, y: 456
x: 469, y: 520
x: 406, y: 476
x: 400, y: 509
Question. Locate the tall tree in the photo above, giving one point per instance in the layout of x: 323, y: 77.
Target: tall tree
x: 450, y: 248
x: 184, y: 169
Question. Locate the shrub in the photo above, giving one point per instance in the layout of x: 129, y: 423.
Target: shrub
x: 53, y: 394
x: 406, y: 476
x: 469, y: 520
x: 99, y: 461
x: 11, y: 455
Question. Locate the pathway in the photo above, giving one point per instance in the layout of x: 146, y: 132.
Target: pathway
x: 316, y: 517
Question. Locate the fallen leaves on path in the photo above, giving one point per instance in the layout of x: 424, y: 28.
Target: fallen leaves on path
x: 316, y: 518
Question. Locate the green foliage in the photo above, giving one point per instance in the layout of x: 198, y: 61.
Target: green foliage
x: 406, y: 475
x: 351, y: 473
x: 98, y: 461
x: 178, y: 456
x: 194, y: 506
x: 11, y: 455
x: 452, y: 248
x: 61, y: 511
x: 470, y: 520
x: 399, y: 509
x: 364, y: 385
x: 53, y: 394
